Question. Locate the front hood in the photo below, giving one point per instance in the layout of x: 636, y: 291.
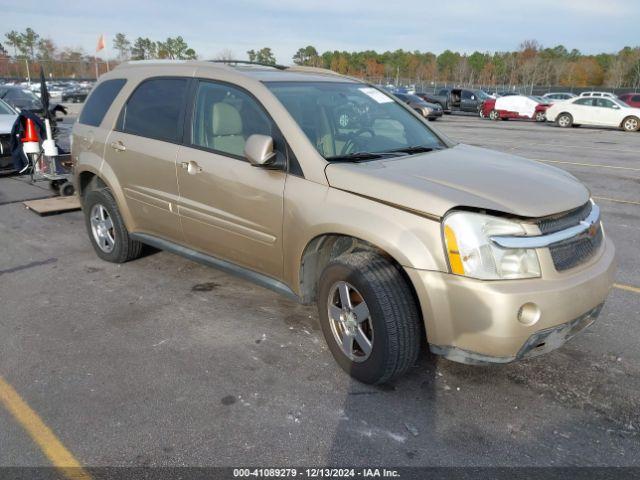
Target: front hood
x: 462, y: 176
x: 6, y: 123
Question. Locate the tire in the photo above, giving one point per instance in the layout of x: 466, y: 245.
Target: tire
x: 564, y: 120
x: 540, y: 117
x: 67, y: 189
x: 122, y: 248
x: 494, y: 115
x: 631, y: 124
x: 393, y: 324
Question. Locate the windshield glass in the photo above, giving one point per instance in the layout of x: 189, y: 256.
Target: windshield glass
x: 348, y: 118
x: 6, y: 109
x: 482, y: 95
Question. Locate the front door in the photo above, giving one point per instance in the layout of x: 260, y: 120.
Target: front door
x: 229, y: 208
x: 142, y: 151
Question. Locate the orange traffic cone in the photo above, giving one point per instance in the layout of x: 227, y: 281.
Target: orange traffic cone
x: 30, y: 141
x: 30, y: 133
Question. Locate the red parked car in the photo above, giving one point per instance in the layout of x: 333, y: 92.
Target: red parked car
x: 631, y: 99
x: 520, y: 107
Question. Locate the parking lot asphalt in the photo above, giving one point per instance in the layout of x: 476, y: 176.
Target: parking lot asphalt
x: 165, y: 362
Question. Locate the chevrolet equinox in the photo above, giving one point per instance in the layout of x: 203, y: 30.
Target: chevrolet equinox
x: 329, y: 190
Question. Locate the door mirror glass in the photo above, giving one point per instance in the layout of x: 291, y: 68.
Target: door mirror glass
x: 259, y: 149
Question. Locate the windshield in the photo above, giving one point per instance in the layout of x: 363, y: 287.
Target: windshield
x: 6, y: 109
x: 482, y: 95
x: 342, y: 119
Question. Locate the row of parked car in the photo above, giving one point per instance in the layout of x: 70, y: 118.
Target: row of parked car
x: 563, y: 108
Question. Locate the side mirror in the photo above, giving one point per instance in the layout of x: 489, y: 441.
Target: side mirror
x: 259, y: 150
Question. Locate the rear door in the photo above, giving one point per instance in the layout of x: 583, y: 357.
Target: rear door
x: 468, y: 101
x: 229, y: 208
x: 142, y: 152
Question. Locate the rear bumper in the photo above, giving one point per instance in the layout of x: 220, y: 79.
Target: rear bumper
x: 475, y: 321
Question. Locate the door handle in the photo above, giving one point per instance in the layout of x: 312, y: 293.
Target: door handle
x: 191, y: 167
x: 118, y: 146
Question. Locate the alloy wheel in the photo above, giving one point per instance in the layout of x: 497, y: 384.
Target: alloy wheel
x: 102, y: 228
x: 350, y: 321
x: 631, y: 124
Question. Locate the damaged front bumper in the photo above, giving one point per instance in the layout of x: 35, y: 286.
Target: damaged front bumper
x: 541, y: 342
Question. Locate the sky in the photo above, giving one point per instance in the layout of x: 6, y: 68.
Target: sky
x: 591, y: 26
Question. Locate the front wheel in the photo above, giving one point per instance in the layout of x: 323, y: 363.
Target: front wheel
x: 540, y: 117
x: 631, y: 124
x: 369, y: 317
x: 564, y: 120
x: 494, y: 115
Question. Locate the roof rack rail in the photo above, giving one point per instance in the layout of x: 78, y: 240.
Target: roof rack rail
x: 247, y: 62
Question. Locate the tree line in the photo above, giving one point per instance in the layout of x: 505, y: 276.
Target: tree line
x: 21, y: 50
x: 529, y: 65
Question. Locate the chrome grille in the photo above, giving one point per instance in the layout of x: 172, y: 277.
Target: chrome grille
x: 564, y: 220
x: 575, y: 251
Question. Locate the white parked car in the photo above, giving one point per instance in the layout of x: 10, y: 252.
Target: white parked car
x: 554, y: 97
x: 598, y: 94
x: 599, y: 111
x: 7, y: 118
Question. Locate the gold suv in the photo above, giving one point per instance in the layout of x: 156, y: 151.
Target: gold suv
x: 329, y: 190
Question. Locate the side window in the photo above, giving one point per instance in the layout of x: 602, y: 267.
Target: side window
x: 584, y: 101
x: 444, y: 93
x: 467, y: 95
x: 603, y: 102
x: 96, y: 106
x: 635, y: 98
x: 156, y: 109
x: 224, y: 117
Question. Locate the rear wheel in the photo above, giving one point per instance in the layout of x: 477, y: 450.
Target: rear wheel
x: 540, y: 117
x: 369, y: 317
x: 494, y: 115
x: 564, y: 120
x: 108, y: 235
x: 631, y: 124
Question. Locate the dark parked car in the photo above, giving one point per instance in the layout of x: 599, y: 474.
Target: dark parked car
x: 460, y: 99
x: 75, y: 95
x: 24, y: 99
x: 19, y: 97
x: 430, y: 111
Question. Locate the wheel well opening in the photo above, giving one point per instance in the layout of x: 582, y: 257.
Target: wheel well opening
x: 322, y: 249
x: 89, y: 181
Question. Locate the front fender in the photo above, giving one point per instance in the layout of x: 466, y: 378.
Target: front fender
x: 312, y: 210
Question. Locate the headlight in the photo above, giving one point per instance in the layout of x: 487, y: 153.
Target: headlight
x: 471, y: 252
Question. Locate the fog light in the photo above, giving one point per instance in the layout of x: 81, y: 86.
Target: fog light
x: 529, y: 313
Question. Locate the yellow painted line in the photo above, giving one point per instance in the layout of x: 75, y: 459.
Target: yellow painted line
x: 598, y: 165
x: 617, y: 200
x: 628, y: 288
x: 60, y: 457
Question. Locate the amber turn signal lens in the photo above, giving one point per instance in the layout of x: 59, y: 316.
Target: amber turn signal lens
x: 453, y: 252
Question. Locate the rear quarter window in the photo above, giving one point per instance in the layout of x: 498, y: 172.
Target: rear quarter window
x: 96, y: 106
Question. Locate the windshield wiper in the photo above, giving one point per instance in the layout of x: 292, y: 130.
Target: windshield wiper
x: 414, y: 149
x: 358, y: 156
